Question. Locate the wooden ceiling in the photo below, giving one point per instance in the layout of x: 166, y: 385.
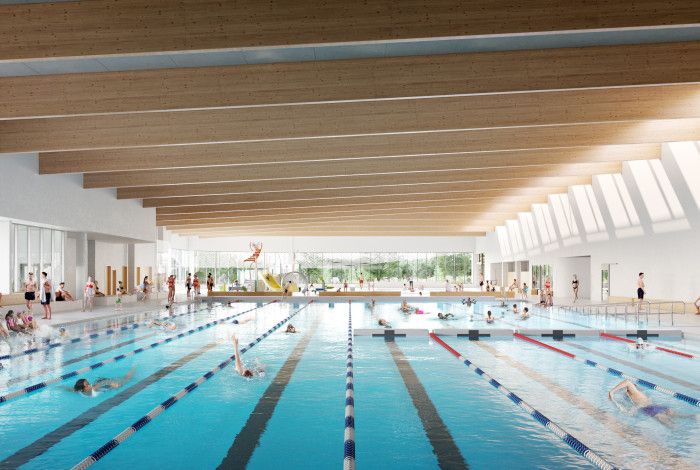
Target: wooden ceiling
x: 449, y: 144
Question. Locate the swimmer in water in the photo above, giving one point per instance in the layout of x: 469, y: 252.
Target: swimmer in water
x: 642, y: 402
x: 166, y: 325
x: 384, y: 323
x: 86, y: 388
x: 489, y: 317
x: 445, y: 316
x: 515, y: 309
x: 641, y: 345
x: 405, y: 307
x: 240, y: 368
x: 291, y: 329
x: 526, y: 314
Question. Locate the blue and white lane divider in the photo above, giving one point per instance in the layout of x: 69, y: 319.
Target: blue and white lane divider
x: 155, y: 412
x: 107, y: 332
x: 570, y: 440
x: 349, y: 438
x: 617, y: 373
x: 46, y: 383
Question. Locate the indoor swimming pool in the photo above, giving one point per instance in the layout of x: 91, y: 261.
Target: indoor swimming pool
x: 385, y: 399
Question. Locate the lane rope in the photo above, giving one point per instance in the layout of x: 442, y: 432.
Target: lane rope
x: 658, y: 348
x: 349, y: 437
x: 578, y: 446
x: 90, y: 336
x: 617, y: 373
x: 155, y: 412
x: 46, y: 383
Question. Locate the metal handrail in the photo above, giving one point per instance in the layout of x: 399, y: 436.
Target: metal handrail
x: 589, y: 309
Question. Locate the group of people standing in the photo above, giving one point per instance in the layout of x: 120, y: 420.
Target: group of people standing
x: 191, y: 284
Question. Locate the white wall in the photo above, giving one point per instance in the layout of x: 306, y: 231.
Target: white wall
x: 657, y: 231
x: 60, y: 201
x: 108, y: 254
x: 562, y: 276
x: 69, y: 268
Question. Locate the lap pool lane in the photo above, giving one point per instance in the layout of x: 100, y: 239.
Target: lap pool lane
x: 56, y: 405
x: 198, y: 353
x: 306, y: 428
x: 575, y: 396
x: 490, y: 431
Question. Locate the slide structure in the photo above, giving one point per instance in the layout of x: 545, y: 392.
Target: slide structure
x: 271, y: 282
x: 274, y: 285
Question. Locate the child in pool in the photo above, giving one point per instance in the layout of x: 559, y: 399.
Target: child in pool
x: 489, y: 317
x: 86, y: 388
x: 526, y: 314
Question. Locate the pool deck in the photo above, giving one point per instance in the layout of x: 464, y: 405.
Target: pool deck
x: 689, y: 323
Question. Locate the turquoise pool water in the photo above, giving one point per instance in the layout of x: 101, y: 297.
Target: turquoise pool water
x: 416, y: 405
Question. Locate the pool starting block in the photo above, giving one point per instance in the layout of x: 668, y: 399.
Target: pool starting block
x: 473, y: 335
x: 390, y: 332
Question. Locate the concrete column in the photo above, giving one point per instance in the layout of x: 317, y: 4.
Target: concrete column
x: 81, y: 263
x: 6, y: 268
x: 91, y: 259
x: 131, y: 266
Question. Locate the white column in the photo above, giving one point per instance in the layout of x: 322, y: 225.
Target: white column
x: 81, y: 263
x: 5, y: 256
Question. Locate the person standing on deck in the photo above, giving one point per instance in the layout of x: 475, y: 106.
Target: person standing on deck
x: 361, y: 281
x: 640, y: 290
x: 30, y: 291
x: 171, y: 289
x: 210, y: 284
x: 574, y: 287
x: 188, y: 284
x: 46, y: 290
x: 195, y: 284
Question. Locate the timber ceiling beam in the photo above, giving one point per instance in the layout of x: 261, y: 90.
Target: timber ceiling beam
x: 355, y: 198
x: 507, y: 191
x: 349, y: 80
x: 422, y: 163
x: 528, y: 176
x: 332, y: 120
x: 338, y: 232
x: 447, y: 207
x: 103, y: 27
x: 397, y: 225
x: 482, y: 220
x: 228, y: 156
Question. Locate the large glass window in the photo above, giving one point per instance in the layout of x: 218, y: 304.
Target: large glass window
x: 36, y: 249
x: 389, y: 269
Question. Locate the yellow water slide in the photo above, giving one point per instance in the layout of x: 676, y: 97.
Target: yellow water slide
x: 271, y: 282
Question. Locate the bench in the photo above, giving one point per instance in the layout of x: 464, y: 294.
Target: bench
x: 15, y: 301
x: 243, y: 294
x: 360, y: 294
